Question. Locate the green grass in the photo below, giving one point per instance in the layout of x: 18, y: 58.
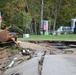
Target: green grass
x: 50, y: 37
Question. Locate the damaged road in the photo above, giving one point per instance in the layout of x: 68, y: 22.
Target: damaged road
x: 45, y: 60
x: 59, y: 65
x: 29, y: 68
x: 52, y: 64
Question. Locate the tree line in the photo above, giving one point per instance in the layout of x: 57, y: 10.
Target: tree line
x: 24, y: 15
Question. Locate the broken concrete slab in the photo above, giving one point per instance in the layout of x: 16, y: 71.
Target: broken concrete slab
x: 0, y: 72
x: 32, y: 46
x: 29, y: 68
x: 59, y: 65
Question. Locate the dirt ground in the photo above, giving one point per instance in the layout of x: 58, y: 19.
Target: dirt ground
x: 34, y: 48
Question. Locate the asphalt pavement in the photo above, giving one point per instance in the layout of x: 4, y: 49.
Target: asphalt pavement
x: 29, y: 67
x: 52, y: 65
x: 59, y: 65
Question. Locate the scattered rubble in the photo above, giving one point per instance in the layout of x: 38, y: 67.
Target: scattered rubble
x: 28, y: 51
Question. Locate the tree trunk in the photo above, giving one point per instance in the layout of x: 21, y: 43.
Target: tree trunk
x: 35, y: 17
x: 55, y: 15
x: 31, y: 29
x: 55, y: 18
x: 41, y: 25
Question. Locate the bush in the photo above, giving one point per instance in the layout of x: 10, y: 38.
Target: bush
x: 16, y: 29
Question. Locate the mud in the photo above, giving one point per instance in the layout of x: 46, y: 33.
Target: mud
x: 35, y: 48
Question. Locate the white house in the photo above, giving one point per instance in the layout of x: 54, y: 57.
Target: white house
x: 68, y: 28
x: 73, y: 24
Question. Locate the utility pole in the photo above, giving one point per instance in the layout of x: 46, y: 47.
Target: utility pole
x: 41, y: 23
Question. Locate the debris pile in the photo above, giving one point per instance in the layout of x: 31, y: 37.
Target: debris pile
x: 28, y: 51
x: 7, y: 38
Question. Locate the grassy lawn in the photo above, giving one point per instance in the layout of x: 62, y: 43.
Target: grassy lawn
x: 50, y: 37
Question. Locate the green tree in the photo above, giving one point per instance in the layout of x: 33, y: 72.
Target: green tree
x: 59, y: 12
x: 12, y: 14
